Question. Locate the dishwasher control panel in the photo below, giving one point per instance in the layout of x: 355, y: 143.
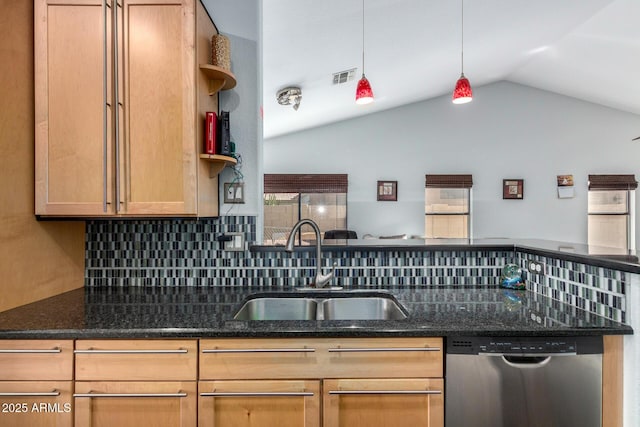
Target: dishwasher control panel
x: 524, y: 345
x: 529, y: 347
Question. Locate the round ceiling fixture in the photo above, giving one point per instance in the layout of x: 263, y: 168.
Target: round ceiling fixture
x: 291, y: 95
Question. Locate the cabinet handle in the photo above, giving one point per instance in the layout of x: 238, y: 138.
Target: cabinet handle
x: 91, y: 351
x: 104, y: 109
x: 385, y: 391
x: 261, y: 350
x: 258, y: 394
x: 30, y: 351
x: 30, y: 393
x: 116, y: 102
x: 371, y: 349
x: 91, y: 394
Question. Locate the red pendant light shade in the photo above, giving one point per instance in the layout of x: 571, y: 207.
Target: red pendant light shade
x: 462, y: 93
x: 364, y: 93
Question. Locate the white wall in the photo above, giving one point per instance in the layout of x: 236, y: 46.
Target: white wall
x: 239, y: 22
x: 508, y: 131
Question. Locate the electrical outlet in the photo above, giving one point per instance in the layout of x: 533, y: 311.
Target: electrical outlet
x: 236, y: 243
x: 234, y: 192
x: 536, y: 267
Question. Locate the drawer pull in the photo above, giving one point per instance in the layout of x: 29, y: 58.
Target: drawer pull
x: 385, y: 391
x: 261, y: 350
x: 30, y: 351
x: 258, y: 394
x: 366, y: 350
x: 30, y: 394
x: 90, y: 351
x: 179, y: 394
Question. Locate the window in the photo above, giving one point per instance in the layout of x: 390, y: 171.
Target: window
x: 447, y: 206
x: 291, y: 197
x: 611, y: 201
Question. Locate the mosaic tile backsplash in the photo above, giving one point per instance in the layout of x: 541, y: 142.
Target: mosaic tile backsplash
x: 187, y: 252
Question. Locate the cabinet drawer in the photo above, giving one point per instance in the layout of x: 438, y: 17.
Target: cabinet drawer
x: 259, y: 358
x: 384, y: 358
x: 36, y: 403
x: 130, y: 360
x: 36, y: 360
x: 321, y: 358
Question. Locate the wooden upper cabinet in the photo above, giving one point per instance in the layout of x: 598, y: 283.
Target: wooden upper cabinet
x: 119, y: 107
x: 71, y: 108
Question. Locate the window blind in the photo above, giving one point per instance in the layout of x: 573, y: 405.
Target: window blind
x: 305, y: 183
x: 448, y: 181
x: 612, y: 182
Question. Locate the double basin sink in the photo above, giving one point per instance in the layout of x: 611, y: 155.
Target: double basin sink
x: 326, y: 306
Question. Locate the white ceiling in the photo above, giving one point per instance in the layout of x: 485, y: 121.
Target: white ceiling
x: 587, y: 49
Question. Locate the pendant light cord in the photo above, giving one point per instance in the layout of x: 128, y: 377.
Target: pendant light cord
x: 363, y: 37
x: 461, y: 38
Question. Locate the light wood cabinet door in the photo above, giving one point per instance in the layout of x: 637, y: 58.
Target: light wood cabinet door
x: 36, y: 403
x: 383, y: 402
x: 282, y: 403
x: 157, y: 112
x: 135, y: 404
x: 72, y: 108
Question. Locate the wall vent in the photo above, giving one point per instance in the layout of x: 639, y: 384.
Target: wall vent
x: 343, y: 76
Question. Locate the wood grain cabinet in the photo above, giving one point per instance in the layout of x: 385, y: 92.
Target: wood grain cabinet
x: 136, y: 383
x: 120, y: 103
x: 36, y: 383
x: 372, y: 382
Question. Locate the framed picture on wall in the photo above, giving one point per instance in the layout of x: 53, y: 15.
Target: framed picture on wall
x: 513, y: 189
x: 388, y: 191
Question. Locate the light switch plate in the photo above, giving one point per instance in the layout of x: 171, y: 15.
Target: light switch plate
x: 236, y: 243
x: 536, y: 267
x: 234, y: 192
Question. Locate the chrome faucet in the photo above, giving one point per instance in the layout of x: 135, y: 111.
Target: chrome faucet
x: 321, y: 280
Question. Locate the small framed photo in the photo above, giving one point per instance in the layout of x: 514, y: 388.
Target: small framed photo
x: 512, y: 188
x: 388, y: 191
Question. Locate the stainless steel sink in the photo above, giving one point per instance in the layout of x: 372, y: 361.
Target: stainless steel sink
x: 362, y: 308
x: 278, y: 309
x: 342, y: 306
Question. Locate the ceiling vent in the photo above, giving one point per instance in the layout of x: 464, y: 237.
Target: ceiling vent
x: 343, y: 76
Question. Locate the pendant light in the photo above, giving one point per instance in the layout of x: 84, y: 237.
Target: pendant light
x: 364, y: 94
x: 462, y: 93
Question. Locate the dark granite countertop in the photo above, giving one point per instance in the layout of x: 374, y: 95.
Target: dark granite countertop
x: 156, y: 312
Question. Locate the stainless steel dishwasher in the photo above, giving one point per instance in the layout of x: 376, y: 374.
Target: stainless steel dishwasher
x: 523, y: 382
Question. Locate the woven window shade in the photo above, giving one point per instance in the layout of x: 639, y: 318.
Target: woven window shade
x: 448, y: 181
x: 305, y: 183
x: 612, y: 182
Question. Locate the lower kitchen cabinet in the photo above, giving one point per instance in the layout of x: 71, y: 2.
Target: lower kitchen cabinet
x: 282, y: 403
x: 36, y: 403
x: 383, y: 402
x: 137, y: 383
x: 135, y: 404
x: 36, y: 383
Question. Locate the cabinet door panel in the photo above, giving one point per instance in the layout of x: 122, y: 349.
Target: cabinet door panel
x: 159, y: 105
x: 71, y: 110
x: 259, y: 403
x: 136, y: 404
x: 36, y: 403
x: 383, y: 402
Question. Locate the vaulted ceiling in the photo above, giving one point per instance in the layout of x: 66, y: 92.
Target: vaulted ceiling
x: 587, y: 49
